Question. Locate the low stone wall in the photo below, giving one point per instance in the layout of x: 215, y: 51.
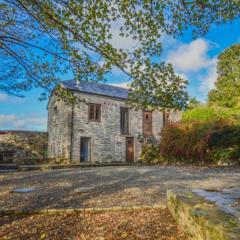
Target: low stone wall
x: 23, y: 146
x: 201, y: 219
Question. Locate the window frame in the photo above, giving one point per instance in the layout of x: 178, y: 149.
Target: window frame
x: 94, y: 105
x: 166, y: 118
x: 144, y: 122
x: 121, y: 117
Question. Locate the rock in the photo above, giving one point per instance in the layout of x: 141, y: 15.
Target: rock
x: 83, y: 190
x: 23, y: 190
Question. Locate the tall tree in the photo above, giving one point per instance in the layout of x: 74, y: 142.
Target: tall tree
x: 41, y: 40
x: 227, y: 91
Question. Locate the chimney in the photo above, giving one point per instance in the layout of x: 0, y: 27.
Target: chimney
x: 77, y: 83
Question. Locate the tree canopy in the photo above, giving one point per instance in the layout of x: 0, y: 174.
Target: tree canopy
x: 43, y: 40
x: 227, y: 86
x: 193, y: 103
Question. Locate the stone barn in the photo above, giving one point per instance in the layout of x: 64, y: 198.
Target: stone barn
x: 103, y: 128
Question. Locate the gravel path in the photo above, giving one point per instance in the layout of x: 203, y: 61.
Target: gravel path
x: 108, y: 186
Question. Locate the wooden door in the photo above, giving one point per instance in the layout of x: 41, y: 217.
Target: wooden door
x: 147, y: 123
x: 129, y: 149
x: 84, y: 149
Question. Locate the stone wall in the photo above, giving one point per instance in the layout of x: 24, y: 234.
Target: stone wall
x: 107, y: 143
x: 59, y: 121
x: 22, y: 145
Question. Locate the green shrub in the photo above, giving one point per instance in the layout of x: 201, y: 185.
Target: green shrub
x: 202, y: 113
x: 226, y: 136
x: 221, y: 156
x: 150, y: 153
x: 210, y: 114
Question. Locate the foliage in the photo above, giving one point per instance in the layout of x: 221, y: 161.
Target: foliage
x: 229, y: 155
x: 206, y: 135
x: 207, y: 113
x: 193, y: 102
x: 150, y: 153
x: 187, y: 143
x: 227, y: 136
x: 149, y: 92
x: 215, y: 141
x: 227, y: 89
x: 40, y: 41
x: 202, y: 113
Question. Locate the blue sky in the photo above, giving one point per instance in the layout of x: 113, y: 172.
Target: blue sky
x: 195, y: 59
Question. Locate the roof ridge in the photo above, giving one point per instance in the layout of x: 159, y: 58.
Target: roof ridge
x: 97, y: 83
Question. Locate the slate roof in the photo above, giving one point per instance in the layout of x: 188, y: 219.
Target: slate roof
x: 97, y: 88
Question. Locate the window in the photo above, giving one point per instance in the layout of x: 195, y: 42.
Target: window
x: 94, y: 112
x: 166, y: 118
x: 55, y: 109
x: 147, y: 123
x: 124, y: 120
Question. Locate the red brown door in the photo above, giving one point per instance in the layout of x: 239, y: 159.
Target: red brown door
x: 129, y: 149
x: 147, y: 123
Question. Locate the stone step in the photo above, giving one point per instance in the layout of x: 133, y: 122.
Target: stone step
x: 65, y: 166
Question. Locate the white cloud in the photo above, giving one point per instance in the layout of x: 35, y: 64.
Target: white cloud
x: 12, y: 121
x: 168, y: 41
x: 190, y: 57
x: 192, y: 60
x: 121, y: 42
x: 208, y: 81
x: 11, y: 99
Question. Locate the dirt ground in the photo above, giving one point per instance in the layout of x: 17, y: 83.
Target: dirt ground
x: 108, y: 186
x: 102, y: 187
x: 131, y: 225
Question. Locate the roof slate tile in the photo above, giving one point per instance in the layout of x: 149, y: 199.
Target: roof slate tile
x: 96, y: 88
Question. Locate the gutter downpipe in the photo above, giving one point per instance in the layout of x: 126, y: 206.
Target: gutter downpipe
x: 71, y: 128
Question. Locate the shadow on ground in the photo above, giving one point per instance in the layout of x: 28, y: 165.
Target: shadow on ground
x: 108, y: 186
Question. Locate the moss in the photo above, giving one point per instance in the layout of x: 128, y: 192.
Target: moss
x: 202, y: 221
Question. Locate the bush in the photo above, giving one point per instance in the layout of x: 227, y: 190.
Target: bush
x: 202, y: 113
x: 201, y: 142
x: 150, y: 153
x: 229, y: 156
x: 206, y: 135
x: 209, y: 114
x: 185, y: 143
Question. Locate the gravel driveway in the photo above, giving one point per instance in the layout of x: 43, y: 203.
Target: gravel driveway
x: 108, y: 186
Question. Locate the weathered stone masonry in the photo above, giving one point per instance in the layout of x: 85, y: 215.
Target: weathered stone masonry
x: 67, y: 124
x: 22, y: 146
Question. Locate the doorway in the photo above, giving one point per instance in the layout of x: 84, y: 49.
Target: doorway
x: 129, y: 149
x: 85, y: 149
